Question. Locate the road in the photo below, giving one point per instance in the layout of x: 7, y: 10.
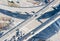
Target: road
x: 26, y: 27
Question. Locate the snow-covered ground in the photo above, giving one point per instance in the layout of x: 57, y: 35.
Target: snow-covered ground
x: 27, y: 28
x: 55, y: 37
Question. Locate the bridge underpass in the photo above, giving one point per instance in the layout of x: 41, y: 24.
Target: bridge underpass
x: 43, y: 26
x: 50, y: 32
